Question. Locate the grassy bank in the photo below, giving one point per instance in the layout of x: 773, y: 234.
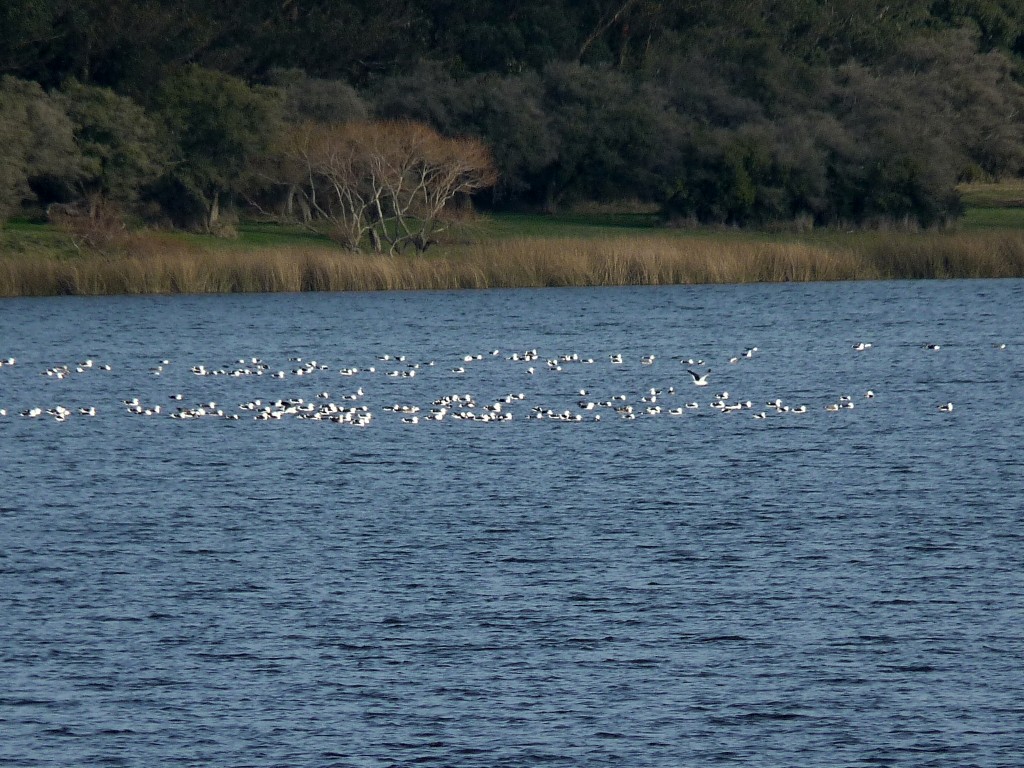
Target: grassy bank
x: 520, y: 262
x: 516, y: 252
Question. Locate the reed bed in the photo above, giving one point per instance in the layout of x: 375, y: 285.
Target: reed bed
x: 163, y: 267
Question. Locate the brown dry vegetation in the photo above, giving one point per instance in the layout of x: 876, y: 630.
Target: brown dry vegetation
x: 388, y: 182
x: 152, y: 265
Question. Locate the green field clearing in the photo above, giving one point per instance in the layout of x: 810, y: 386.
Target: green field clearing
x: 991, y: 210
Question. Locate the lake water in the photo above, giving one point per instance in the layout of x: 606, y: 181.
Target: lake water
x: 840, y: 587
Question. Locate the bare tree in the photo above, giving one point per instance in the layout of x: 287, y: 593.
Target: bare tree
x: 417, y: 173
x: 322, y: 164
x: 392, y: 183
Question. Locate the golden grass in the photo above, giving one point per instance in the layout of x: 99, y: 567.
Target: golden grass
x: 165, y: 267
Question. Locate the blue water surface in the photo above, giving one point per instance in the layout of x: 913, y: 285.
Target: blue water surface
x: 837, y: 587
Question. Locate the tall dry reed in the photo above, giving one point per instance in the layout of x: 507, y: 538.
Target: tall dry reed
x: 166, y: 267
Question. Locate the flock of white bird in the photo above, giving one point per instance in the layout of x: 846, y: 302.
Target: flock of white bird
x: 355, y: 408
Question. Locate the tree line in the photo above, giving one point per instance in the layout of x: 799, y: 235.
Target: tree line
x: 736, y: 112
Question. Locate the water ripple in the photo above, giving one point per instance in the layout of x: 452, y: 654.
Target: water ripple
x: 710, y: 591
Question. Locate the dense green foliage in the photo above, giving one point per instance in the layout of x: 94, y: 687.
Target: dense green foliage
x: 38, y: 142
x: 119, y: 149
x: 217, y: 127
x: 736, y: 112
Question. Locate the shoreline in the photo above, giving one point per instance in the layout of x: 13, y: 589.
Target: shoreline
x: 522, y: 262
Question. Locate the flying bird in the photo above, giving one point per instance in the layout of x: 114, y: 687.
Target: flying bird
x: 699, y: 380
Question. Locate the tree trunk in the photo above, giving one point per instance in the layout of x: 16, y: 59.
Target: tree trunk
x: 602, y: 26
x: 213, y: 212
x: 551, y: 197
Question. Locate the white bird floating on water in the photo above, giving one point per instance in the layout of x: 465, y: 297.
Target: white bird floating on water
x: 947, y: 408
x: 631, y: 402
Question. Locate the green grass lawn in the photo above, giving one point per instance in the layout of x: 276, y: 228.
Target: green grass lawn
x: 988, y: 207
x: 993, y: 206
x: 507, y: 225
x: 256, y: 234
x: 20, y: 238
x: 992, y: 218
x: 1003, y: 194
x: 267, y: 235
